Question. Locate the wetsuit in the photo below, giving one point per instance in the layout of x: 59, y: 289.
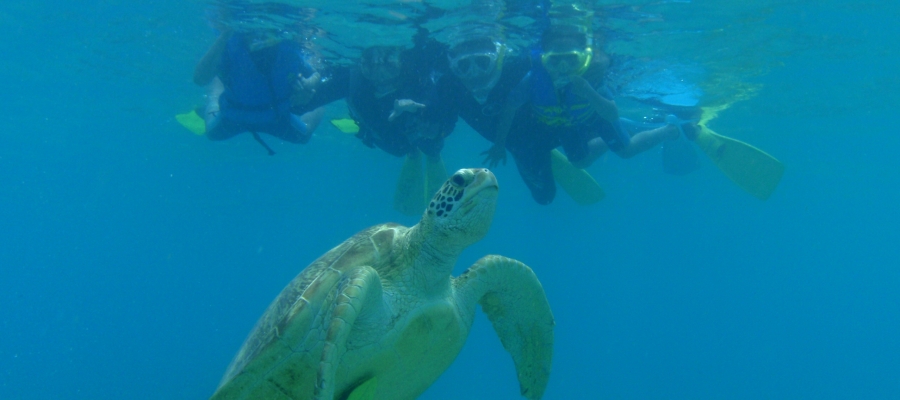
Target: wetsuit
x: 258, y: 87
x: 529, y: 147
x: 422, y: 68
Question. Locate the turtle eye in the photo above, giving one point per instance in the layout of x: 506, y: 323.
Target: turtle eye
x: 458, y: 180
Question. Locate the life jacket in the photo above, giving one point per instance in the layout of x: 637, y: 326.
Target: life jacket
x: 552, y: 107
x: 257, y: 95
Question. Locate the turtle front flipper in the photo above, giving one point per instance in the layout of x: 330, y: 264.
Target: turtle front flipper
x: 513, y: 299
x: 356, y: 289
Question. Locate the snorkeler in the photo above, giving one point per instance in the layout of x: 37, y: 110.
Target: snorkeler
x: 252, y: 80
x: 395, y: 100
x: 569, y: 98
x: 493, y: 86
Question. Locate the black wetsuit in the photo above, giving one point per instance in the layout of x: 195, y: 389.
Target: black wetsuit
x: 422, y: 69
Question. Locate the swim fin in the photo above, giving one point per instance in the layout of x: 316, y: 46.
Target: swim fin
x: 577, y: 183
x: 346, y: 125
x: 750, y: 168
x: 365, y: 391
x: 435, y: 176
x: 409, y: 196
x: 192, y: 122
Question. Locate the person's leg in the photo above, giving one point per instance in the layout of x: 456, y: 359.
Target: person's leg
x: 223, y: 131
x: 530, y: 145
x: 299, y: 128
x: 302, y: 126
x: 211, y: 113
x: 312, y: 119
x: 537, y: 173
x: 582, y: 146
x: 624, y: 145
x: 292, y: 129
x: 219, y: 127
x: 596, y: 148
x: 646, y: 140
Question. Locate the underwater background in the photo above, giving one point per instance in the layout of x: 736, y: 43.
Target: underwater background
x: 135, y: 257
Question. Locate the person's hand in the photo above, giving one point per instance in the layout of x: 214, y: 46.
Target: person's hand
x: 607, y: 109
x: 305, y: 88
x: 580, y: 86
x: 404, y: 105
x: 494, y: 155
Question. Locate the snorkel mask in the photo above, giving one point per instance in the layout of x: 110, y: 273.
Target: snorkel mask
x: 565, y: 63
x: 479, y: 70
x: 567, y: 43
x: 472, y: 65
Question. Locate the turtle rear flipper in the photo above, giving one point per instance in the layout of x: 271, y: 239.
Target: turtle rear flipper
x: 514, y: 300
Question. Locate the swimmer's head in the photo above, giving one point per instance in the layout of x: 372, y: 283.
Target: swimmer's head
x: 381, y: 64
x: 475, y: 58
x: 477, y: 62
x: 566, y: 50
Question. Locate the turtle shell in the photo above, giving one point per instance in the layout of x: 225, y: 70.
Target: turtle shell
x: 294, y: 322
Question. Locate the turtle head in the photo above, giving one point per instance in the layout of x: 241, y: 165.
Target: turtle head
x: 461, y: 211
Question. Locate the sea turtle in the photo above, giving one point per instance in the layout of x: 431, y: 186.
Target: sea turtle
x: 381, y: 317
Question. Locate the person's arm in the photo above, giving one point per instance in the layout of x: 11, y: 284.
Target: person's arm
x: 208, y: 67
x: 305, y: 89
x: 515, y: 99
x: 505, y: 123
x: 606, y: 109
x: 403, y: 106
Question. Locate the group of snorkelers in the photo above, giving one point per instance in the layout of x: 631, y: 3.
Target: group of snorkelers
x: 406, y: 101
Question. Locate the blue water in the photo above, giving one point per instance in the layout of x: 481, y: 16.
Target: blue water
x: 135, y: 257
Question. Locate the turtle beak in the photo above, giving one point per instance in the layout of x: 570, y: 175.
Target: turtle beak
x: 482, y: 191
x: 484, y: 179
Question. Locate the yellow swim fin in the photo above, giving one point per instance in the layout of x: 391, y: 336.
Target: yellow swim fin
x: 192, y: 122
x: 366, y: 391
x: 578, y: 183
x: 750, y: 168
x: 346, y: 125
x: 409, y: 196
